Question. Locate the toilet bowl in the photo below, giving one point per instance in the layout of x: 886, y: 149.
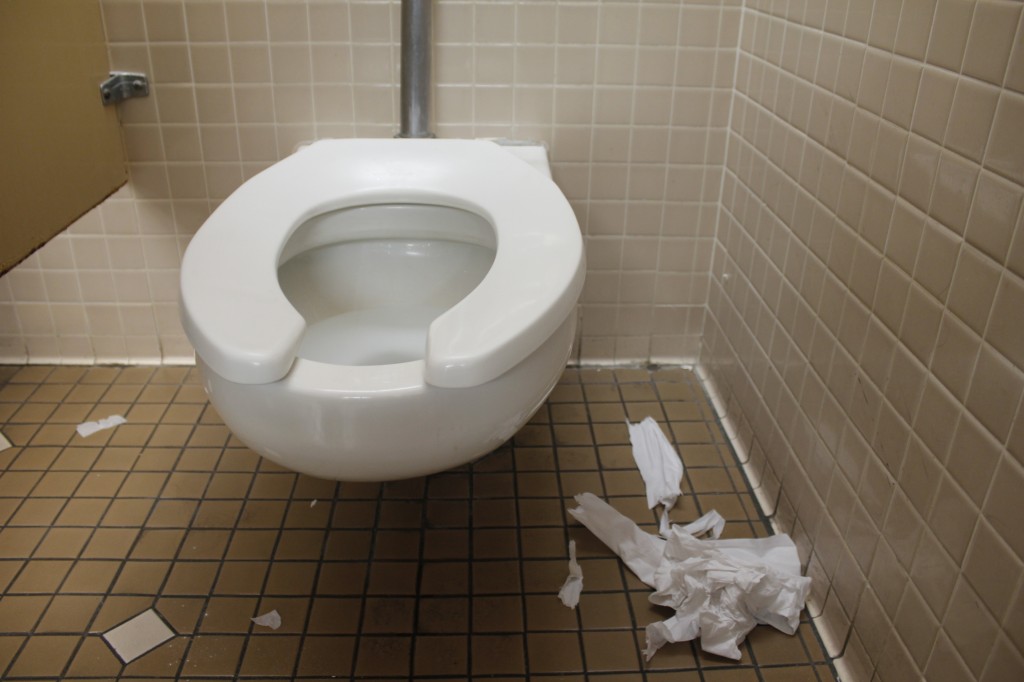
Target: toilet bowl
x: 383, y: 309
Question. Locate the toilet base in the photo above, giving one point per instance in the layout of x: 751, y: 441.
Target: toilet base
x: 384, y: 422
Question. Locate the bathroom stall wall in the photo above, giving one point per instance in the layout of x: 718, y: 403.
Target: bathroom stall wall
x: 632, y: 99
x: 866, y: 319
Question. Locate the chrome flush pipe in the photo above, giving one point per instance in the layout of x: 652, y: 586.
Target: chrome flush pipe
x: 415, y: 95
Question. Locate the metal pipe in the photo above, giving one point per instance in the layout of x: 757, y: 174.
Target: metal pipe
x: 415, y: 96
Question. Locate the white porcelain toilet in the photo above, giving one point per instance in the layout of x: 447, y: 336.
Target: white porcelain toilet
x: 382, y: 309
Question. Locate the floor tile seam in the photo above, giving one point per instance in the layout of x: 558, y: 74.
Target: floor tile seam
x: 367, y: 578
x: 419, y: 578
x: 567, y: 537
x: 53, y: 595
x: 191, y: 637
x: 309, y: 610
x: 123, y: 562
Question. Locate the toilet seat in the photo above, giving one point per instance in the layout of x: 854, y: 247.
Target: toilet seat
x: 244, y: 328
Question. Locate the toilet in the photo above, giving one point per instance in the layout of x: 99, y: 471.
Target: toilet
x: 372, y: 310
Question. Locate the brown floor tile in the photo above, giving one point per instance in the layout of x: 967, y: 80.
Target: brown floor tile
x: 326, y: 655
x: 293, y: 611
x: 495, y: 577
x: 293, y: 577
x: 335, y: 616
x: 554, y: 652
x: 612, y: 650
x: 252, y: 544
x: 197, y: 577
x: 69, y: 613
x: 38, y: 576
x: 257, y: 514
x: 392, y: 578
x: 389, y: 615
x: 498, y: 614
x: 337, y: 578
x: 270, y: 656
x: 441, y: 655
x: 450, y: 575
x: 62, y: 543
x: 94, y: 659
x: 181, y: 613
x: 204, y: 544
x: 444, y: 578
x: 497, y: 655
x: 141, y: 577
x: 213, y: 655
x: 37, y: 512
x: 90, y: 577
x: 600, y: 611
x: 210, y: 513
x: 228, y: 615
x: 44, y: 656
x: 19, y: 613
x: 241, y: 577
x: 157, y: 544
x: 127, y: 512
x: 456, y: 513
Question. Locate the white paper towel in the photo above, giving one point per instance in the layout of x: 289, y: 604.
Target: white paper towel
x: 659, y: 464
x: 719, y: 589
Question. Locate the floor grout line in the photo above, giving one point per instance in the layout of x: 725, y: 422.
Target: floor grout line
x: 214, y: 491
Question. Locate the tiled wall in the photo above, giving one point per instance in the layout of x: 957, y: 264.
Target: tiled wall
x: 866, y: 318
x: 632, y: 99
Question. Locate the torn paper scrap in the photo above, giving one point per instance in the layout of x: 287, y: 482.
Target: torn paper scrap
x: 4, y: 443
x: 719, y: 589
x: 138, y: 636
x: 573, y: 585
x: 312, y: 504
x: 88, y: 428
x: 271, y: 619
x: 711, y: 523
x: 659, y: 464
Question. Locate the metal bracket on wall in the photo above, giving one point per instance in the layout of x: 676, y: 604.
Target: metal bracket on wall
x: 123, y: 84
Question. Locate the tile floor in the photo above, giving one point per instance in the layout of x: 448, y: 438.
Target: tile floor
x: 447, y: 577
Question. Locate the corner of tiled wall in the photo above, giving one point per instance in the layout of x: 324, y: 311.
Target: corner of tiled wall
x: 864, y: 327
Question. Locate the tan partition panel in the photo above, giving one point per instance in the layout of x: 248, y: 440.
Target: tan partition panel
x: 60, y: 148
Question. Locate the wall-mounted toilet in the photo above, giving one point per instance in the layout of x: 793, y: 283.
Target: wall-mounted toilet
x: 382, y: 309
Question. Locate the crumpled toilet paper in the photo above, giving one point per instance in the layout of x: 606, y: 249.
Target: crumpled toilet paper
x: 719, y: 589
x: 659, y: 464
x: 573, y: 585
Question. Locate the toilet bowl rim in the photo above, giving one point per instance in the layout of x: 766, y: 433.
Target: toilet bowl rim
x: 245, y: 362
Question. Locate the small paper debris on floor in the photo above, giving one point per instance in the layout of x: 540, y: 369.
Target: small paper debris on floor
x: 660, y: 466
x: 573, y: 585
x: 719, y: 589
x: 86, y: 429
x: 312, y: 504
x: 271, y: 620
x: 4, y: 443
x: 138, y: 636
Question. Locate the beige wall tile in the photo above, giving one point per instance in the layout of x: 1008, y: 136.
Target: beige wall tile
x: 924, y: 127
